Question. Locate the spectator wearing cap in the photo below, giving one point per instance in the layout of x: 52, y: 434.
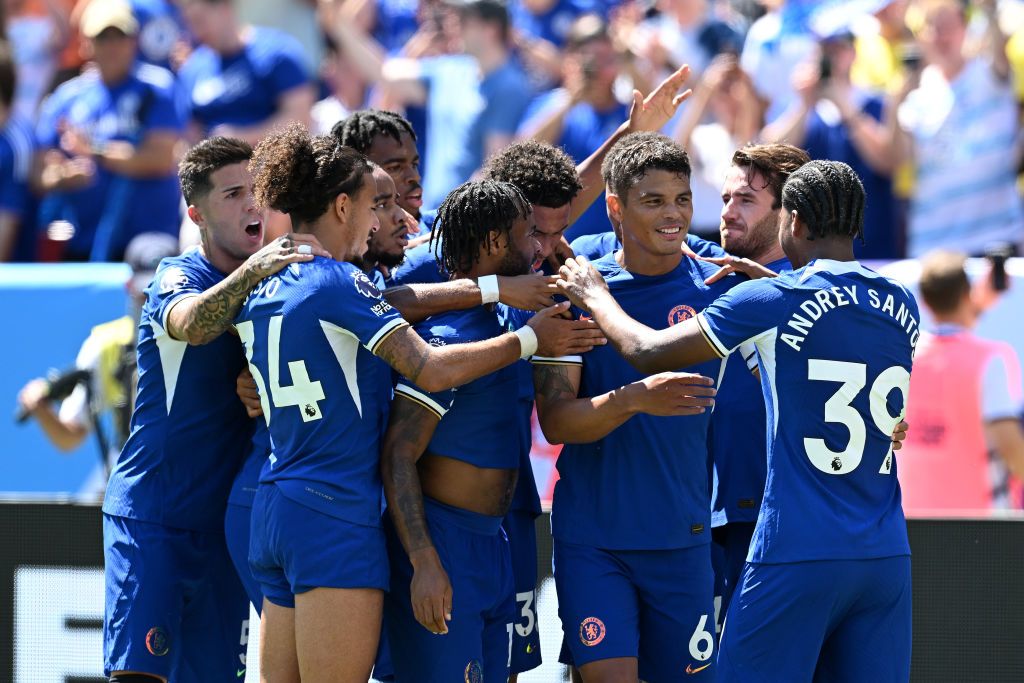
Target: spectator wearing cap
x: 17, y: 144
x: 833, y: 119
x: 964, y: 405
x: 161, y: 29
x: 106, y: 143
x: 242, y: 81
x: 585, y: 112
x: 474, y: 100
x: 958, y: 123
x: 108, y: 356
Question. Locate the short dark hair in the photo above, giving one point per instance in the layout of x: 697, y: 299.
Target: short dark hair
x: 204, y: 159
x: 944, y: 281
x: 8, y: 75
x: 829, y: 198
x: 360, y: 128
x: 490, y: 11
x: 468, y: 216
x: 544, y: 174
x: 298, y: 174
x: 773, y: 162
x: 634, y: 155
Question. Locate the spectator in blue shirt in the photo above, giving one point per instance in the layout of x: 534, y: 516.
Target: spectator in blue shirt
x: 584, y: 113
x: 16, y: 143
x: 474, y: 100
x: 106, y: 142
x: 242, y: 81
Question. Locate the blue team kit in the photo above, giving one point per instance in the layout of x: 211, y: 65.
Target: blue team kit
x: 632, y: 603
x: 844, y: 569
x: 165, y: 502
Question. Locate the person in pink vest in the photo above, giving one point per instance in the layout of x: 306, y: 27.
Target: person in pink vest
x: 965, y: 405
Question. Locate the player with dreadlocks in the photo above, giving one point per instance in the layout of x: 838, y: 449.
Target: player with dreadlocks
x: 825, y: 592
x: 317, y: 548
x: 450, y: 461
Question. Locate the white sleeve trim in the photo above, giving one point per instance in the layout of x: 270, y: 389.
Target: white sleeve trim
x: 383, y: 332
x: 560, y: 360
x: 421, y: 398
x: 720, y: 348
x: 174, y: 302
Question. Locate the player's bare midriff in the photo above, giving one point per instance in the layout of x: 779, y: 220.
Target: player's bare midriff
x: 484, y: 490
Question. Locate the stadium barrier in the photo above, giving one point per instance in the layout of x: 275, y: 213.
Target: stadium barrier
x: 968, y: 598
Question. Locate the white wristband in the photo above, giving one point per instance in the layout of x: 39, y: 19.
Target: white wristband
x: 488, y: 285
x: 527, y: 341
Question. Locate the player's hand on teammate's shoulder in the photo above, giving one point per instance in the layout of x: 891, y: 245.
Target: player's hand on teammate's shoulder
x: 431, y: 591
x: 580, y: 281
x: 734, y: 264
x: 248, y: 394
x: 560, y: 336
x: 531, y: 292
x: 286, y: 249
x: 672, y: 393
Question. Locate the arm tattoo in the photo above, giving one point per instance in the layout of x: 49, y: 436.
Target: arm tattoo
x: 211, y: 313
x: 554, y: 383
x: 404, y: 356
x: 407, y: 434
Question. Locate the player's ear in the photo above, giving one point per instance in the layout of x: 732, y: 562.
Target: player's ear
x: 798, y: 227
x: 341, y: 205
x: 614, y: 203
x: 195, y: 215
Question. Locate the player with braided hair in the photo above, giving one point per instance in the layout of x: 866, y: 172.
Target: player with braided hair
x: 319, y: 498
x: 825, y: 593
x: 450, y: 462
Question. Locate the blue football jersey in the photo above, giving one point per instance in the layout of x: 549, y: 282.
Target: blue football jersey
x: 419, y: 267
x: 243, y: 490
x: 310, y: 332
x: 478, y: 421
x: 644, y: 486
x: 835, y: 343
x: 189, y: 431
x: 737, y: 438
x: 600, y: 244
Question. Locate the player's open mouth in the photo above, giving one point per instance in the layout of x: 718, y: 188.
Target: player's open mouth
x: 254, y: 229
x: 414, y: 198
x: 670, y: 230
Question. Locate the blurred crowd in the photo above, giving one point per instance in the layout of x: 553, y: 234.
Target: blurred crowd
x: 99, y: 99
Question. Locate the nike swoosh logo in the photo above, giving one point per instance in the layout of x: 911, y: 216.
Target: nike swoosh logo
x: 241, y: 672
x: 691, y: 670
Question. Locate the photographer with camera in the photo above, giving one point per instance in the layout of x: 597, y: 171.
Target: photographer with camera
x: 103, y: 378
x: 833, y: 119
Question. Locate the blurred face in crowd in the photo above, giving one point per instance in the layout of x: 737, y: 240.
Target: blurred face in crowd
x: 227, y: 215
x: 942, y: 36
x: 655, y: 214
x: 401, y: 160
x: 841, y: 53
x: 114, y: 54
x: 208, y: 18
x: 477, y: 35
x: 685, y: 12
x: 387, y: 244
x: 595, y: 62
x: 750, y: 222
x: 551, y: 225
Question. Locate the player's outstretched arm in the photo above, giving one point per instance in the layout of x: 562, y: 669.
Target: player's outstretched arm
x: 202, y: 318
x: 410, y: 428
x: 438, y: 368
x: 420, y: 301
x: 566, y: 418
x: 646, y: 349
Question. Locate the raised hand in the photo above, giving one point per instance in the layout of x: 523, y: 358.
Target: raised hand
x: 651, y: 113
